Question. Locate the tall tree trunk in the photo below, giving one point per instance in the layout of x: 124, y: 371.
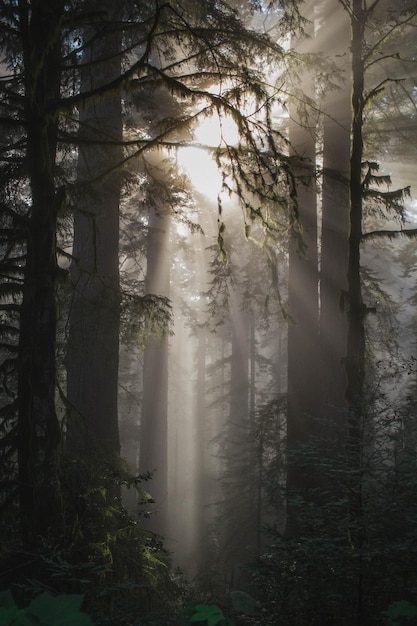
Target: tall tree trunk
x: 303, y: 304
x: 355, y: 367
x: 239, y: 512
x: 356, y: 337
x: 93, y: 344
x: 239, y: 374
x: 154, y: 420
x: 200, y: 495
x: 334, y: 40
x: 38, y: 427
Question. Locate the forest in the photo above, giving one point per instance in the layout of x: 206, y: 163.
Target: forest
x: 208, y: 368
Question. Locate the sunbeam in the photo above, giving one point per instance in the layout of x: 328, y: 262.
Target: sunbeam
x: 197, y: 161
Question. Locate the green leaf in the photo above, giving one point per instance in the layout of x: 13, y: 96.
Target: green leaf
x: 7, y: 615
x: 12, y: 616
x: 244, y: 603
x: 399, y: 609
x: 61, y: 610
x: 6, y: 599
x: 210, y: 613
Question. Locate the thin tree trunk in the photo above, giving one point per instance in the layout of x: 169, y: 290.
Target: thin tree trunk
x: 355, y: 358
x: 200, y: 494
x: 38, y: 427
x: 356, y: 336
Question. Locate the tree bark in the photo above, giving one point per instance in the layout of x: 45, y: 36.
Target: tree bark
x: 355, y: 358
x: 335, y: 39
x: 355, y: 368
x: 93, y: 343
x: 38, y: 427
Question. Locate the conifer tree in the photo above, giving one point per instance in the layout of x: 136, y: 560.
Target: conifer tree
x: 93, y: 342
x: 40, y: 26
x: 207, y: 46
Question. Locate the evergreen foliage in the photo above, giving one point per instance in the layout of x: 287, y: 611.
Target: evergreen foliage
x: 44, y: 610
x: 348, y: 484
x: 323, y: 575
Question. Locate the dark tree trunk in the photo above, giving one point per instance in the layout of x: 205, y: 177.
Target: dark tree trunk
x: 355, y: 358
x: 356, y: 337
x: 93, y: 344
x: 38, y: 427
x: 303, y: 307
x: 334, y: 39
x: 239, y: 480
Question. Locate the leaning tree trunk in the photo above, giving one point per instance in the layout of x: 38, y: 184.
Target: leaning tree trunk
x: 93, y: 344
x: 38, y: 427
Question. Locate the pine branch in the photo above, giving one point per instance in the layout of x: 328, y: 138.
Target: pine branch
x: 380, y: 88
x: 411, y: 233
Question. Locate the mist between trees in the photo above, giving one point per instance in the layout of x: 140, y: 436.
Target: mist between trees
x: 207, y: 322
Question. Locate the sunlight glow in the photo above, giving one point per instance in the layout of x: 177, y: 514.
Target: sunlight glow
x: 197, y: 162
x: 182, y: 229
x: 214, y: 130
x: 412, y: 210
x: 201, y: 169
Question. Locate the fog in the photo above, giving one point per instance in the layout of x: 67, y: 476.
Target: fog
x: 227, y: 360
